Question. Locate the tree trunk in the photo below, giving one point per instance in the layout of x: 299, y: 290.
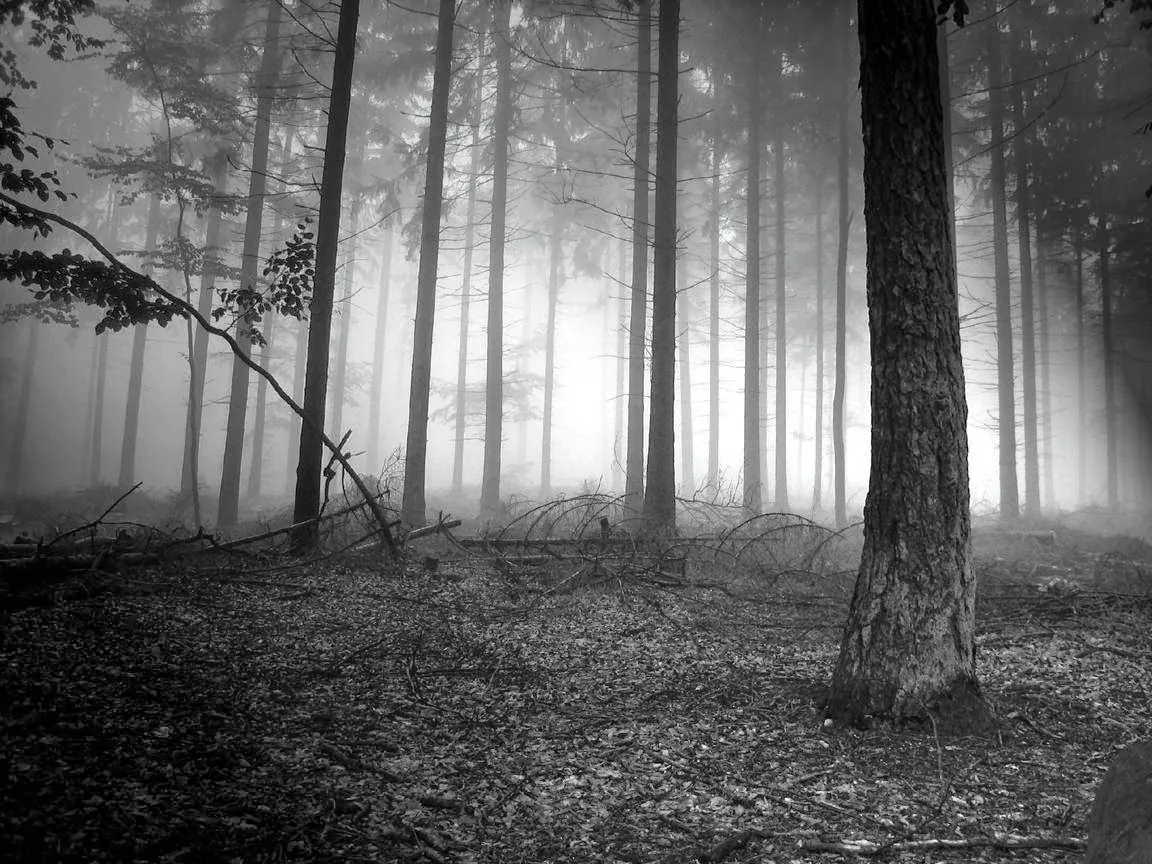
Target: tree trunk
x: 14, y: 482
x: 355, y: 172
x: 1111, y: 418
x: 136, y: 366
x: 1027, y: 312
x: 190, y: 473
x: 555, y: 257
x: 1048, y: 495
x: 818, y: 431
x: 249, y: 270
x: 494, y: 381
x: 256, y: 463
x: 634, y: 465
x: 908, y: 647
x: 753, y: 490
x: 621, y: 375
x: 1005, y: 375
x: 687, y: 466
x: 779, y: 192
x: 307, y: 502
x: 844, y: 219
x: 375, y: 392
x: 713, y: 478
x: 416, y: 451
x: 660, y: 479
x: 1081, y: 376
x: 461, y: 410
x: 98, y: 412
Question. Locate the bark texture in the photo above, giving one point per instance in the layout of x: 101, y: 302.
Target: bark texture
x: 660, y: 479
x: 307, y: 501
x: 908, y: 646
x: 416, y: 452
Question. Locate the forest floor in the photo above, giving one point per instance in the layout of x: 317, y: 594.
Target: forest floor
x: 468, y: 710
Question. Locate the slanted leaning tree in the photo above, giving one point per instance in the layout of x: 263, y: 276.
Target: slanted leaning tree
x: 908, y: 647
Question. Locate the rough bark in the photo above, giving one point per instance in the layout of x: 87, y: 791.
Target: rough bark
x: 634, y: 462
x: 908, y: 647
x: 307, y: 501
x: 416, y: 451
x: 494, y: 380
x: 229, y: 507
x: 1005, y: 372
x: 660, y: 478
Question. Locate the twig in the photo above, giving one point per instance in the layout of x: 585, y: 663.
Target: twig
x: 98, y: 521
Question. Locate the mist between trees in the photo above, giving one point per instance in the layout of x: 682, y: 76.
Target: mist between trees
x: 190, y: 142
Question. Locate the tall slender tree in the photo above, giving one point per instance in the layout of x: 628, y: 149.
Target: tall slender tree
x: 229, y: 506
x: 779, y: 193
x: 306, y: 506
x: 416, y: 452
x: 1005, y: 363
x: 638, y: 316
x: 660, y: 479
x: 753, y: 492
x: 494, y: 384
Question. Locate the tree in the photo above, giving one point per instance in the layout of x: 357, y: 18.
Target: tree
x: 778, y: 192
x: 660, y: 479
x: 229, y: 506
x: 494, y: 385
x: 306, y: 506
x: 415, y: 454
x: 1005, y: 378
x: 752, y: 394
x: 638, y: 313
x: 844, y: 225
x: 908, y: 646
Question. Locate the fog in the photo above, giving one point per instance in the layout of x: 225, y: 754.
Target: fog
x: 584, y: 63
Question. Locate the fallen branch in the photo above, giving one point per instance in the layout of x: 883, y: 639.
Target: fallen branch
x: 867, y: 848
x: 192, y: 312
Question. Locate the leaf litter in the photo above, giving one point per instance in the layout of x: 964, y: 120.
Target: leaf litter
x: 354, y: 712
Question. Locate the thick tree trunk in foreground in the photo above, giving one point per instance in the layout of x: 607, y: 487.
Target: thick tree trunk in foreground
x: 416, y: 451
x: 494, y: 381
x: 638, y: 318
x: 660, y: 479
x: 249, y: 271
x: 307, y: 502
x: 908, y: 647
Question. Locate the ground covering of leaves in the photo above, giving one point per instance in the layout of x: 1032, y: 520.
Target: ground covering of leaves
x: 259, y: 711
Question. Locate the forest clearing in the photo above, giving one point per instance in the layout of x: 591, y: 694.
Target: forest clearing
x: 240, y: 706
